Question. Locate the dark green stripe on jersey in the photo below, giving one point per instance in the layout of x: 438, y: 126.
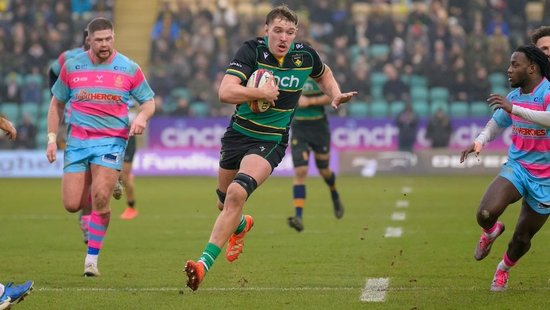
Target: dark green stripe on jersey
x: 301, y: 62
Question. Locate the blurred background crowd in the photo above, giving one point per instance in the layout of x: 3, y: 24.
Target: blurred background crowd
x: 434, y: 56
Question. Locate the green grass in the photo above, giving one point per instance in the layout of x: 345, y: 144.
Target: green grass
x: 325, y: 267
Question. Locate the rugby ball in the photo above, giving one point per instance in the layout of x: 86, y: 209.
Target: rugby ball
x: 258, y: 79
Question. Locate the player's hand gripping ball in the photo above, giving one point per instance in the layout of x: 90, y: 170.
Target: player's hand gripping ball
x: 256, y: 80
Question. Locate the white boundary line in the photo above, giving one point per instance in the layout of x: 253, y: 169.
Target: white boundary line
x: 175, y: 289
x: 375, y: 290
x: 393, y: 232
x: 275, y: 289
x: 398, y: 216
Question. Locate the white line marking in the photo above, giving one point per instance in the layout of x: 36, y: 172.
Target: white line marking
x: 375, y: 290
x: 398, y: 216
x: 393, y: 232
x: 277, y: 289
x: 176, y: 289
x: 402, y: 204
x: 406, y: 190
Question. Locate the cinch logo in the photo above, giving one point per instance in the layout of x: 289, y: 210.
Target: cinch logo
x: 84, y: 95
x: 288, y: 81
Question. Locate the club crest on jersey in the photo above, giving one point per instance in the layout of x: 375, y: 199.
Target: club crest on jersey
x: 119, y: 81
x: 298, y: 60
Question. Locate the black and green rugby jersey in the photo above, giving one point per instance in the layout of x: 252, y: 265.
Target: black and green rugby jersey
x: 291, y: 74
x: 311, y: 89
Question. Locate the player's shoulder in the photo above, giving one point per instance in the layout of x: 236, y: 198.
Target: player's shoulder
x: 77, y: 61
x: 302, y: 46
x: 124, y: 63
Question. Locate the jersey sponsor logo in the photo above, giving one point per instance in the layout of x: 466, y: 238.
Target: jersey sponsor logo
x: 78, y: 79
x: 262, y: 148
x: 78, y: 67
x: 236, y: 64
x: 83, y: 95
x: 111, y: 158
x: 99, y: 78
x: 119, y: 68
x: 288, y: 81
x: 529, y: 132
x: 299, y: 46
x: 266, y: 54
x: 298, y: 60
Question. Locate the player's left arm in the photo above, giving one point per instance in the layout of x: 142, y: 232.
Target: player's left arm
x: 330, y: 87
x: 146, y: 111
x: 541, y: 118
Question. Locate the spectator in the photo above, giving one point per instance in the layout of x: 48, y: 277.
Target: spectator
x: 11, y: 91
x: 407, y: 123
x: 26, y: 134
x: 394, y: 89
x: 439, y: 129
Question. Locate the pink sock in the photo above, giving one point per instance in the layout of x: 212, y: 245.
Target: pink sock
x: 98, y: 228
x: 507, y: 261
x: 85, y: 221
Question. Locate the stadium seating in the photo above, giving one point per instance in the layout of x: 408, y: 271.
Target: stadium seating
x: 458, y: 109
x: 32, y: 109
x: 396, y: 107
x: 10, y: 110
x: 436, y: 105
x: 419, y: 93
x: 421, y: 107
x: 439, y: 94
x: 358, y: 109
x: 479, y: 109
x: 379, y: 50
x: 497, y: 79
x: 199, y: 109
x: 418, y: 81
x: 379, y: 109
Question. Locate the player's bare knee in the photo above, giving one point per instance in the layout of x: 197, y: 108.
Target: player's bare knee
x: 483, y: 217
x: 71, y: 207
x: 247, y: 182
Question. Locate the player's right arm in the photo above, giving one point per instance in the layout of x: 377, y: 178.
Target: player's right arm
x: 233, y: 92
x: 61, y: 95
x: 232, y: 88
x: 55, y: 115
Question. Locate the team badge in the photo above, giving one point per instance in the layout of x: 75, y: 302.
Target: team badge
x: 119, y: 81
x: 297, y: 60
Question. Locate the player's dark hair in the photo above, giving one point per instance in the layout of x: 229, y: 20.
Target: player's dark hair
x: 536, y: 55
x: 543, y: 31
x: 98, y: 24
x: 281, y: 11
x: 84, y: 36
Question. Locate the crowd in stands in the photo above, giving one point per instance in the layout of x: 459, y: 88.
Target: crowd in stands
x: 434, y: 54
x: 431, y: 54
x: 33, y: 33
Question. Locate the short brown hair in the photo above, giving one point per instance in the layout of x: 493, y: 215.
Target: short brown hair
x: 283, y: 12
x: 543, y: 31
x: 98, y: 24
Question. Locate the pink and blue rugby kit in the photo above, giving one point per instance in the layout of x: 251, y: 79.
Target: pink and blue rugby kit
x: 528, y: 166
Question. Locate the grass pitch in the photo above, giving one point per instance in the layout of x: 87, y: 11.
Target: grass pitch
x: 431, y: 266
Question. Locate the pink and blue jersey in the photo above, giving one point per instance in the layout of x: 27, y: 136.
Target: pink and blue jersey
x: 530, y: 142
x: 63, y: 57
x: 98, y: 96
